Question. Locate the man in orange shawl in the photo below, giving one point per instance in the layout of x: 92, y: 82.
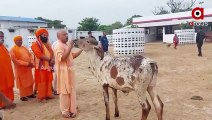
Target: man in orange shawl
x: 65, y: 74
x: 23, y: 63
x: 44, y: 61
x: 6, y: 77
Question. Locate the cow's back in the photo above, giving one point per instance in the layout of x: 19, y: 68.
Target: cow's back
x: 123, y: 72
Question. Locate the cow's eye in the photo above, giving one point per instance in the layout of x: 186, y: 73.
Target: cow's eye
x: 88, y: 42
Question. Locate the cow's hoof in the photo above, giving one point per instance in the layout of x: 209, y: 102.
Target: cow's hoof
x: 116, y: 115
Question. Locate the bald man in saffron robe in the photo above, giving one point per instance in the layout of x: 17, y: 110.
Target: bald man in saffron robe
x: 23, y: 64
x: 7, y: 76
x: 44, y: 62
x: 66, y: 87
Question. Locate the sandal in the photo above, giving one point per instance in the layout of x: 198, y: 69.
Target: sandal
x: 24, y: 99
x: 55, y: 93
x: 48, y: 98
x: 69, y: 115
x: 31, y: 96
x: 35, y: 92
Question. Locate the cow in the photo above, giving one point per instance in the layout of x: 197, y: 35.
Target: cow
x: 129, y: 73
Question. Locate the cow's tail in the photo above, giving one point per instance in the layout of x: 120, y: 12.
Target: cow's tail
x: 154, y: 68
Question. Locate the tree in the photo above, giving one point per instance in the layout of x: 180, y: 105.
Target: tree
x: 52, y: 23
x: 88, y: 24
x: 106, y: 28
x: 180, y: 6
x: 109, y: 28
x: 175, y: 6
x: 117, y: 25
x: 186, y: 26
x: 160, y: 10
x: 130, y: 20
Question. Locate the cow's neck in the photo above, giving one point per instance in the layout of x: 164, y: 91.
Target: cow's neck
x: 94, y: 59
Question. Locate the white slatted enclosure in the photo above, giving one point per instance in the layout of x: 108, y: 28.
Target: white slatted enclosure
x: 128, y: 41
x: 186, y: 36
x: 31, y: 39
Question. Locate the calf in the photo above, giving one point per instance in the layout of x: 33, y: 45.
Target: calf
x: 133, y: 73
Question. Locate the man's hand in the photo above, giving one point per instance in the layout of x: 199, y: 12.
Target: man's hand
x: 75, y: 55
x: 70, y: 44
x: 80, y: 51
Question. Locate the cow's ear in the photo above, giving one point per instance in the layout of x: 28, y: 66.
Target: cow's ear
x: 99, y: 52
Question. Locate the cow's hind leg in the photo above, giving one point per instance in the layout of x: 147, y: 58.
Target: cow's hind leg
x: 156, y: 101
x: 140, y: 90
x: 145, y: 110
x: 106, y: 99
x: 115, y: 100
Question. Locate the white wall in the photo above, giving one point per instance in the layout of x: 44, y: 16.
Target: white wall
x: 14, y: 24
x: 110, y: 39
x: 186, y: 36
x: 152, y: 36
x: 22, y: 30
x: 25, y: 33
x: 168, y: 38
x: 10, y: 35
x: 183, y: 35
x: 53, y: 34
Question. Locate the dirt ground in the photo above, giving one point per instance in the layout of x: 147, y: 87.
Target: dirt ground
x: 182, y: 74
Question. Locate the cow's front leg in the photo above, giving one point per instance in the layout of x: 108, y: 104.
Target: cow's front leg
x: 106, y: 99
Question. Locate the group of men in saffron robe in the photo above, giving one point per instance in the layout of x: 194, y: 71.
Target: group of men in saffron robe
x: 43, y: 59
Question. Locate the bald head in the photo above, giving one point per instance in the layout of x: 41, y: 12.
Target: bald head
x: 62, y: 35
